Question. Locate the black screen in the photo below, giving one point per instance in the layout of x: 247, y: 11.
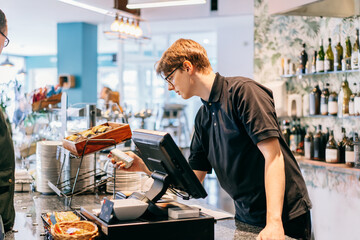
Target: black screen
x: 161, y: 154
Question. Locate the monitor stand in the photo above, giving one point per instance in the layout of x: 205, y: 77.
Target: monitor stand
x: 157, y: 190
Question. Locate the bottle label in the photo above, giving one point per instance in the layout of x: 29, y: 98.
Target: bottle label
x: 327, y: 65
x: 319, y: 65
x: 357, y: 105
x: 331, y: 155
x: 333, y: 107
x: 324, y: 108
x: 355, y: 60
x: 349, y: 157
x: 351, y: 108
x: 307, y: 150
x: 312, y: 104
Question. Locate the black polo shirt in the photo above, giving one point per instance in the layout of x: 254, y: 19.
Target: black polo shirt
x: 239, y: 114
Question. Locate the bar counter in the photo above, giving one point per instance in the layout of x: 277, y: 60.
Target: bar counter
x: 29, y: 206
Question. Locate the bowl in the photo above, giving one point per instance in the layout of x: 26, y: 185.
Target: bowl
x: 129, y: 209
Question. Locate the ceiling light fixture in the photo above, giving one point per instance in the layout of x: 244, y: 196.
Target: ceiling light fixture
x: 87, y: 6
x: 7, y: 63
x: 134, y: 4
x: 126, y: 28
x: 21, y: 72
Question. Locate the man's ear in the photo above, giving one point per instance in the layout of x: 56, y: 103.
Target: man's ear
x: 188, y: 66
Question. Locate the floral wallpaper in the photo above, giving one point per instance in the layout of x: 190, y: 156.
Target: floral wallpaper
x: 277, y: 37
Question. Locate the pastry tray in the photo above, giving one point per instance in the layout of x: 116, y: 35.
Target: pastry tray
x: 120, y: 132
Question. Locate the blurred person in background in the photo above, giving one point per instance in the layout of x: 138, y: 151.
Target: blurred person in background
x: 112, y: 99
x: 20, y: 112
x: 7, y: 157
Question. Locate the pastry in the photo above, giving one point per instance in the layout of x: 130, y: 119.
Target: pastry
x: 87, y: 133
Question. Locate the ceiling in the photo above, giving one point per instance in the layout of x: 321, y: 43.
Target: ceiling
x: 32, y: 23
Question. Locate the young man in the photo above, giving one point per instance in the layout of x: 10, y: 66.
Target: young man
x: 237, y: 134
x: 7, y: 157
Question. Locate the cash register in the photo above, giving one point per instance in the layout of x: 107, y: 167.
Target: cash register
x: 170, y: 170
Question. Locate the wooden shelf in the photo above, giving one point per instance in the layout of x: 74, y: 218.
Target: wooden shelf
x: 338, y: 167
x: 318, y: 74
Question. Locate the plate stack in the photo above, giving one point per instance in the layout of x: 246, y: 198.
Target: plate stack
x: 125, y: 181
x: 47, y: 166
x: 86, y: 174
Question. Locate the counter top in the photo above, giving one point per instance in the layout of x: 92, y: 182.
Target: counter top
x: 29, y: 206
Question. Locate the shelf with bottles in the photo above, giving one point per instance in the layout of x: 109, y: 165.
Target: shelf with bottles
x: 319, y: 142
x: 325, y: 61
x: 319, y: 74
x: 334, y: 167
x: 319, y: 117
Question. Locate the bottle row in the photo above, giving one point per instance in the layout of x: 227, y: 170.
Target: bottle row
x: 322, y: 146
x: 327, y: 102
x: 334, y: 59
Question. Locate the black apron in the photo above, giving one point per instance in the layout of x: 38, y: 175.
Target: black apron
x: 7, y: 170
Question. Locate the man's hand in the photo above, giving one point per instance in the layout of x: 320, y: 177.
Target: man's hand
x: 272, y: 231
x: 137, y: 166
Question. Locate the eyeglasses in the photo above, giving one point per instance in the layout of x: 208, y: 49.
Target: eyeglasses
x: 167, y: 78
x: 6, y: 43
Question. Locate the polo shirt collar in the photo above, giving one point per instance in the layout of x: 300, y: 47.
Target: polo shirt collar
x: 216, y: 89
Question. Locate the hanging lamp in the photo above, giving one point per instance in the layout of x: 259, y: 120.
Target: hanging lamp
x: 7, y: 63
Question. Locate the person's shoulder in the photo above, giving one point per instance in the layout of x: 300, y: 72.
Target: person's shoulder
x: 236, y: 83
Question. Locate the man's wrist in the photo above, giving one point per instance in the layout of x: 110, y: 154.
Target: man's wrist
x: 274, y: 220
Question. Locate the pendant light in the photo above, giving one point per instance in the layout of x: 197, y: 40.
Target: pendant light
x: 7, y: 63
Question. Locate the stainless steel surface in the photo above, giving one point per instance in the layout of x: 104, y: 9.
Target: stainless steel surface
x: 325, y: 8
x: 91, y: 115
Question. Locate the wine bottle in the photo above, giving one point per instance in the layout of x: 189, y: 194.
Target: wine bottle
x: 300, y: 138
x: 313, y: 65
x: 315, y: 96
x: 324, y: 100
x: 352, y: 101
x: 357, y: 101
x: 339, y: 55
x: 355, y: 53
x: 329, y: 58
x: 349, y: 152
x: 348, y: 54
x: 331, y: 152
x: 303, y: 60
x: 320, y: 58
x: 333, y: 104
x: 341, y: 147
x: 346, y: 96
x: 318, y: 145
x: 286, y: 132
x: 309, y: 145
x: 357, y: 151
x: 294, y: 137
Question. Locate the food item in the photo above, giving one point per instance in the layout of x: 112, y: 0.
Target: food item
x: 66, y: 216
x: 100, y: 129
x: 76, y: 229
x: 73, y: 137
x: 87, y: 133
x: 55, y: 217
x: 77, y: 137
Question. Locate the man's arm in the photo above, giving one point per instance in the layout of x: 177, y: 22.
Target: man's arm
x: 274, y: 188
x: 200, y: 175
